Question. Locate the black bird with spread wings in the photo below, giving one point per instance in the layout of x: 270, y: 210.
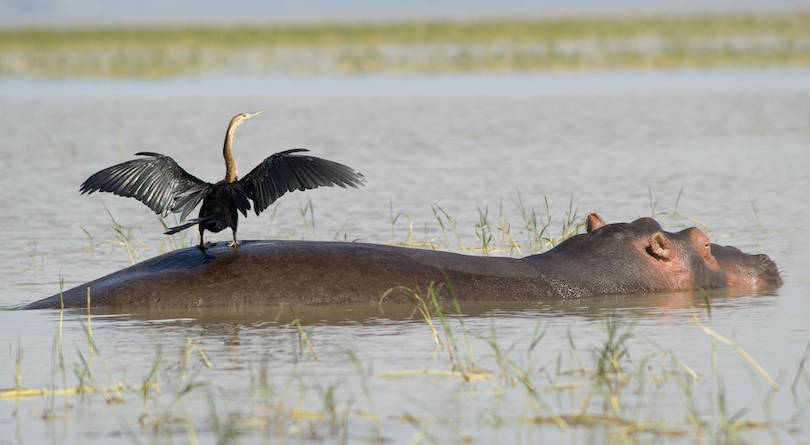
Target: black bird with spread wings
x: 165, y: 187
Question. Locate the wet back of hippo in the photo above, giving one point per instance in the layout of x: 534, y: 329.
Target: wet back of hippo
x: 300, y: 273
x: 608, y: 259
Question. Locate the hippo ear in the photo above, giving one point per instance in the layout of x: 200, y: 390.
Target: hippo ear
x: 593, y: 222
x: 648, y: 223
x: 660, y: 247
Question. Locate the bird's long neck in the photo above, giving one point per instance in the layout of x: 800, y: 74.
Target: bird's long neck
x: 230, y: 163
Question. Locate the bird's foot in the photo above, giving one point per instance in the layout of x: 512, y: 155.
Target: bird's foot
x: 206, y: 255
x: 234, y: 244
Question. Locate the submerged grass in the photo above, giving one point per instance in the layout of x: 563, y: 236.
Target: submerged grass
x: 500, y: 45
x: 619, y: 385
x: 617, y: 394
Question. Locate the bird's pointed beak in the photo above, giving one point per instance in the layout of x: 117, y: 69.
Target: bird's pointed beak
x: 253, y: 114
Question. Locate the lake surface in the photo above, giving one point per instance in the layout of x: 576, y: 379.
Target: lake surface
x: 727, y: 151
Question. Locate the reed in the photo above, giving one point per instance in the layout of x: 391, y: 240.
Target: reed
x: 374, y: 413
x: 483, y: 231
x: 125, y: 236
x: 450, y: 222
x: 37, y: 266
x: 309, y: 209
x: 302, y: 335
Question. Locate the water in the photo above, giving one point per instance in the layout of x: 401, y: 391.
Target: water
x: 730, y: 149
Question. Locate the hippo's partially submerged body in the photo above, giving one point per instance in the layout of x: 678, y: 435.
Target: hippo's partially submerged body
x: 609, y: 259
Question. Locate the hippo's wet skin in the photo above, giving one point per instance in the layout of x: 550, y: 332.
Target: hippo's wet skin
x: 609, y: 259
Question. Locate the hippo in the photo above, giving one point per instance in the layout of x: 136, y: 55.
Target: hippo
x: 617, y: 258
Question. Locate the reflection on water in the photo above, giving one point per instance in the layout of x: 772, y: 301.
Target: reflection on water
x: 272, y: 378
x: 590, y: 309
x: 726, y: 151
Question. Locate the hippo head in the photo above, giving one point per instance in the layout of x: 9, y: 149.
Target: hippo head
x: 641, y: 257
x: 687, y: 259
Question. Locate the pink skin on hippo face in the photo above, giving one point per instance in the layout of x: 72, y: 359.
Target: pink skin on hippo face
x: 742, y: 269
x: 688, y: 260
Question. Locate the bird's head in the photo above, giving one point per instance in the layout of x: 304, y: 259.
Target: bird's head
x: 239, y: 118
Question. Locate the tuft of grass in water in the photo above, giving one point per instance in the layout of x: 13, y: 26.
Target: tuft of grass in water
x: 345, y: 235
x: 150, y: 384
x: 571, y: 225
x: 364, y: 376
x: 302, y: 335
x: 337, y: 418
x: 504, y: 228
x: 393, y: 218
x: 466, y: 368
x: 309, y: 209
x: 32, y: 252
x: 534, y: 232
x: 125, y: 237
x: 733, y: 345
x: 674, y: 215
x: 90, y: 237
x: 482, y: 230
x: 86, y: 372
x: 451, y: 223
x: 225, y: 430
x: 800, y: 373
x: 610, y: 376
x: 176, y: 241
x: 756, y: 213
x: 430, y: 305
x: 422, y: 304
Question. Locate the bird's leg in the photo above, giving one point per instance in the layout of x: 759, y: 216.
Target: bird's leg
x: 202, y: 243
x: 235, y: 243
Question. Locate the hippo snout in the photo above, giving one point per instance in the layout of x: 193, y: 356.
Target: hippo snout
x: 770, y: 270
x: 744, y: 269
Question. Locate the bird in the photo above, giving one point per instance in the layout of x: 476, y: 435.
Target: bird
x: 159, y: 182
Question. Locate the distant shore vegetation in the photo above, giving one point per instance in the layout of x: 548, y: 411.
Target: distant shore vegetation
x: 430, y: 47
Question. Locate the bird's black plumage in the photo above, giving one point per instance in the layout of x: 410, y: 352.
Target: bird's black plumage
x: 160, y: 183
x: 155, y: 181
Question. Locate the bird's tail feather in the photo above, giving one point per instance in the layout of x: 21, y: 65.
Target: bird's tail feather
x: 182, y: 227
x: 219, y: 223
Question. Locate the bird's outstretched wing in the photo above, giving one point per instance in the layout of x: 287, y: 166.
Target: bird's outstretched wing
x: 156, y: 181
x: 284, y: 172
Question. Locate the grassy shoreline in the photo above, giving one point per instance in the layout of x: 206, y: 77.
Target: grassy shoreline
x: 513, y: 31
x: 504, y: 45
